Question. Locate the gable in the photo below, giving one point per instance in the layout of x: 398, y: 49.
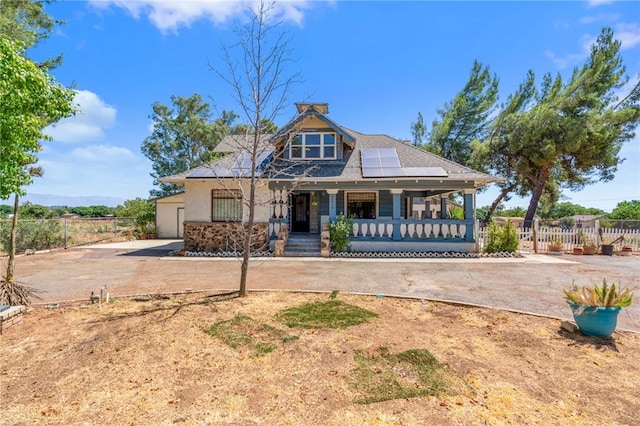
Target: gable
x: 310, y: 120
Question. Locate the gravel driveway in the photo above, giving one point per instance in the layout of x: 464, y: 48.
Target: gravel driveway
x: 532, y: 284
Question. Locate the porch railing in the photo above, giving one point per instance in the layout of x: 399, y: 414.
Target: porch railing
x: 275, y: 225
x: 407, y: 229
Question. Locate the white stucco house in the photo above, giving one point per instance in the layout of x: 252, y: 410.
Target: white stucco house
x: 311, y: 171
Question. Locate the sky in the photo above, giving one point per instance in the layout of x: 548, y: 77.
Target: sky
x: 377, y: 64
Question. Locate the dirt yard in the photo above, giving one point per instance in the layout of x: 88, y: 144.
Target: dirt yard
x: 149, y: 362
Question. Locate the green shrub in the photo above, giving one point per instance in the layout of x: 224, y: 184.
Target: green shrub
x: 142, y: 210
x: 33, y: 235
x: 502, y: 238
x: 456, y: 213
x: 339, y: 231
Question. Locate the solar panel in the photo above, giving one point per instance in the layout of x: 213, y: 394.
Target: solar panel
x: 242, y: 164
x: 379, y: 162
x: 241, y: 167
x: 384, y: 162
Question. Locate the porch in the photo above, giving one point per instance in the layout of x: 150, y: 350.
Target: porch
x: 390, y: 222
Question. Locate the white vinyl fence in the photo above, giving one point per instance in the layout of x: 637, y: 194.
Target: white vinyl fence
x: 536, y: 239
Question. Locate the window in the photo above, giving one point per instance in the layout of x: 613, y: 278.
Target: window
x: 361, y: 205
x: 226, y: 205
x: 309, y: 146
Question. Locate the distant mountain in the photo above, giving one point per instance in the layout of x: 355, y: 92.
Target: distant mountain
x: 50, y: 200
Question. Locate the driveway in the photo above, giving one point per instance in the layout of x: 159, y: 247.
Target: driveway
x: 532, y: 284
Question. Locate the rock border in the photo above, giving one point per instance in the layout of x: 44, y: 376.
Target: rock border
x: 364, y: 255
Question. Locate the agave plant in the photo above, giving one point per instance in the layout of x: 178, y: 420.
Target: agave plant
x: 604, y: 295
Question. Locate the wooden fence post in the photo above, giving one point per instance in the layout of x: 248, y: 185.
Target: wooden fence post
x: 534, y: 235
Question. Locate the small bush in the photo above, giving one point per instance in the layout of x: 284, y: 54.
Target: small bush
x: 502, y: 238
x: 339, y: 231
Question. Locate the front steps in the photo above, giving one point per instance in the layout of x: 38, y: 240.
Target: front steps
x: 302, y: 245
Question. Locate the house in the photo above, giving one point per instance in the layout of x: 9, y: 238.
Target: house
x: 313, y: 170
x: 585, y: 220
x: 518, y: 222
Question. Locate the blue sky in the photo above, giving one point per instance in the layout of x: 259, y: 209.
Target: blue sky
x: 377, y: 64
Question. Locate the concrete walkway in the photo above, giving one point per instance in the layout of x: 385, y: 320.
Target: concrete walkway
x: 531, y: 284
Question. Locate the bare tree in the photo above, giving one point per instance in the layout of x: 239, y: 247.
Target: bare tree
x: 255, y: 69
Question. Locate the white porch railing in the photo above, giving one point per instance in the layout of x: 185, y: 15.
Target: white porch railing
x: 426, y: 229
x: 275, y: 226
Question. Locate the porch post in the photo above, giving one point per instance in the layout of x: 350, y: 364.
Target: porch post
x: 332, y: 204
x: 427, y: 209
x: 396, y: 212
x: 469, y: 209
x: 443, y: 206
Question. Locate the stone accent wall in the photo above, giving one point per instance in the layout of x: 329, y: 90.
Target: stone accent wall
x: 223, y: 236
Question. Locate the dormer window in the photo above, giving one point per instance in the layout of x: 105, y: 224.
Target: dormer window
x: 313, y: 146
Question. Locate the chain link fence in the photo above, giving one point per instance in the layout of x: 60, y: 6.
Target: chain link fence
x: 620, y: 224
x: 45, y: 234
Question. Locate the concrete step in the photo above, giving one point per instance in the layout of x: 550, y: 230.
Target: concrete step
x: 302, y: 253
x: 302, y: 246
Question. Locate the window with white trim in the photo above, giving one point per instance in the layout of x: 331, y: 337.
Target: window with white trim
x: 313, y: 146
x: 361, y: 205
x: 226, y: 205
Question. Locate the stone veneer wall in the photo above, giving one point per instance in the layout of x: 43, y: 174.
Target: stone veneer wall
x: 223, y: 236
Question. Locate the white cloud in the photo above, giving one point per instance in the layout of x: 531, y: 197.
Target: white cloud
x: 102, y: 154
x: 596, y: 3
x: 88, y: 124
x: 600, y: 17
x: 566, y: 61
x: 628, y: 34
x: 97, y: 170
x: 169, y: 15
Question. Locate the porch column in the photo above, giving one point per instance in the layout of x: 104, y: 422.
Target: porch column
x: 332, y: 204
x: 427, y: 209
x: 469, y: 211
x: 443, y: 206
x: 397, y: 193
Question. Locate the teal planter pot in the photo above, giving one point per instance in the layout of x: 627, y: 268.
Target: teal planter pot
x: 595, y: 321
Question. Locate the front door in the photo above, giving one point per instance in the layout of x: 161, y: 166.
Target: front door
x: 300, y: 213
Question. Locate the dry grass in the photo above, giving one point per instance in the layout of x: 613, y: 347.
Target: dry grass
x: 152, y: 363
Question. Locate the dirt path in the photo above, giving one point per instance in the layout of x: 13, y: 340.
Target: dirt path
x: 533, y: 284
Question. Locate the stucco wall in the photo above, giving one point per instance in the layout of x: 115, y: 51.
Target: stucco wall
x: 167, y: 219
x: 198, y: 200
